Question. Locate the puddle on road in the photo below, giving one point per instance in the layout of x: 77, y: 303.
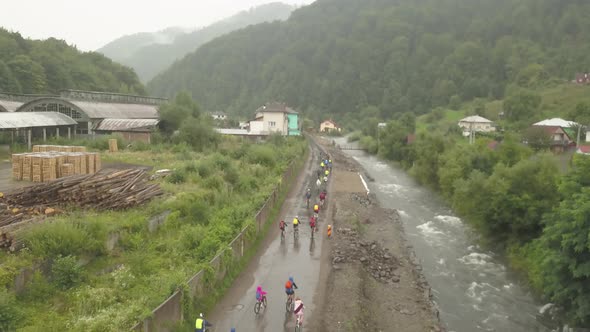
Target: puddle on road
x: 237, y: 307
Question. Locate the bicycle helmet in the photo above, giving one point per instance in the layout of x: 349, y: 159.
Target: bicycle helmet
x: 291, y: 279
x: 201, y: 315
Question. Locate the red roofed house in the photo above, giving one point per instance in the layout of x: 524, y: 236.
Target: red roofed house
x: 583, y: 149
x: 560, y: 140
x: 328, y: 126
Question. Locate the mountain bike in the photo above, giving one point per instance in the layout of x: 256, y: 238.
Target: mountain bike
x: 259, y: 304
x: 296, y: 232
x: 307, y: 202
x: 282, y: 234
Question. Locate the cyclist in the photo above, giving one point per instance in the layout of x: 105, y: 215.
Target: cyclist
x: 308, y: 196
x: 295, y: 223
x: 282, y: 226
x: 298, y: 311
x: 322, y: 197
x: 322, y: 165
x: 327, y: 172
x: 312, y: 224
x: 260, y: 294
x: 289, y: 285
x: 201, y: 324
x: 316, y: 209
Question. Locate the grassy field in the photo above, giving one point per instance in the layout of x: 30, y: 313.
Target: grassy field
x: 211, y: 195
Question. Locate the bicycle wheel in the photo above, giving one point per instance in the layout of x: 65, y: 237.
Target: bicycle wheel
x: 264, y: 301
x: 288, y: 305
x: 257, y: 307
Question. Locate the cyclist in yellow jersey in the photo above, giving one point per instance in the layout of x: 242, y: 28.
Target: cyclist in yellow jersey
x: 295, y: 222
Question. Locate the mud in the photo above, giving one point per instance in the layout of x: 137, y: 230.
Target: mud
x: 372, y: 278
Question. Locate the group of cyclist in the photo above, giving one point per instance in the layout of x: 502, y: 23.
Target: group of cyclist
x: 294, y: 304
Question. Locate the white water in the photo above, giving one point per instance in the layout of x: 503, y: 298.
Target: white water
x: 472, y: 287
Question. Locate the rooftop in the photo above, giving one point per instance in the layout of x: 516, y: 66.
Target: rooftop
x: 126, y: 124
x: 556, y: 122
x: 475, y: 119
x: 10, y: 120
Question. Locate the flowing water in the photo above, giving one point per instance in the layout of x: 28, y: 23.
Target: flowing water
x: 472, y: 287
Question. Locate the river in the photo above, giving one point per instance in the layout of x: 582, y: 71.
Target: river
x: 472, y: 287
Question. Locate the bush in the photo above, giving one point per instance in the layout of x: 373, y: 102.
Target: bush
x: 176, y: 177
x: 60, y: 238
x: 231, y: 175
x: 205, y: 168
x: 355, y: 136
x: 10, y: 315
x: 66, y: 272
x: 139, y: 146
x: 263, y: 155
x: 190, y: 167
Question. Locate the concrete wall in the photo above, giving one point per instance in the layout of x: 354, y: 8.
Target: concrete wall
x: 201, y: 284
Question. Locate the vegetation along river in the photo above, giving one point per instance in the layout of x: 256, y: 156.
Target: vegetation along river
x: 472, y: 287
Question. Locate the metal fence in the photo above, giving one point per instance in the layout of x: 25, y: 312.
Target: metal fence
x: 199, y: 285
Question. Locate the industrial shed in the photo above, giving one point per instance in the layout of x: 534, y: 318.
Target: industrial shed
x: 9, y: 105
x: 129, y: 129
x: 37, y: 124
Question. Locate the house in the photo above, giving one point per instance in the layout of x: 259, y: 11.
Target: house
x: 556, y: 122
x: 583, y: 149
x: 329, y: 125
x: 583, y: 78
x: 560, y: 139
x: 476, y: 123
x: 275, y: 118
x: 130, y: 129
x: 219, y: 116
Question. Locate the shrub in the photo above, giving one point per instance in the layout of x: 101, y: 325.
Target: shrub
x: 139, y: 146
x: 9, y: 312
x: 191, y: 167
x: 66, y: 272
x: 231, y: 175
x: 205, y: 168
x: 66, y: 238
x: 214, y: 182
x: 264, y: 155
x: 176, y: 177
x: 38, y: 289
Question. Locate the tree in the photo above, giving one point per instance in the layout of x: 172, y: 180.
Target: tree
x: 173, y: 115
x: 537, y: 138
x: 566, y: 261
x: 30, y: 74
x: 521, y: 105
x: 8, y: 83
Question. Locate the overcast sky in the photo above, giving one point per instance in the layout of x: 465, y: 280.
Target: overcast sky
x: 90, y: 24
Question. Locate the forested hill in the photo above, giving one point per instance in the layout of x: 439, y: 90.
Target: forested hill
x: 151, y: 53
x: 48, y: 66
x: 338, y: 56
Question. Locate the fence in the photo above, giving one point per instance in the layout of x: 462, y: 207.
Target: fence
x: 170, y: 312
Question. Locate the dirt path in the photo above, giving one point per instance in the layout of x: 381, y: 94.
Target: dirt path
x: 372, y: 280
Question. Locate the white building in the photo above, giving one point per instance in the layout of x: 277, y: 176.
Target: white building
x: 556, y: 122
x: 476, y: 123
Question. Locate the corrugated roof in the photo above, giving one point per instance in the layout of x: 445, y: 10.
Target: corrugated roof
x: 10, y: 120
x: 475, y: 119
x: 232, y: 131
x: 9, y: 105
x: 101, y: 110
x: 126, y: 124
x: 556, y: 122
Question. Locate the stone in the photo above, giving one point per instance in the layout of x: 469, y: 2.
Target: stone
x: 363, y: 259
x: 395, y: 278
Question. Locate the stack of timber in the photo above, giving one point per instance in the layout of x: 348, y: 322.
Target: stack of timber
x: 58, y: 148
x: 106, y: 190
x: 113, y: 145
x: 51, y: 165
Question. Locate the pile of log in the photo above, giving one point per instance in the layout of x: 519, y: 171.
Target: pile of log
x: 106, y: 190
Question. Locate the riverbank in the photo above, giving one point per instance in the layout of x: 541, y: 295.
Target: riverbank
x: 374, y: 281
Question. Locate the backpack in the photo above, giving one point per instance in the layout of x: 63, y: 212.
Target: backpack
x: 288, y: 284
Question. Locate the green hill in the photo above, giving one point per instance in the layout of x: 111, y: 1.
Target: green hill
x: 405, y: 55
x: 151, y: 53
x: 47, y: 66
